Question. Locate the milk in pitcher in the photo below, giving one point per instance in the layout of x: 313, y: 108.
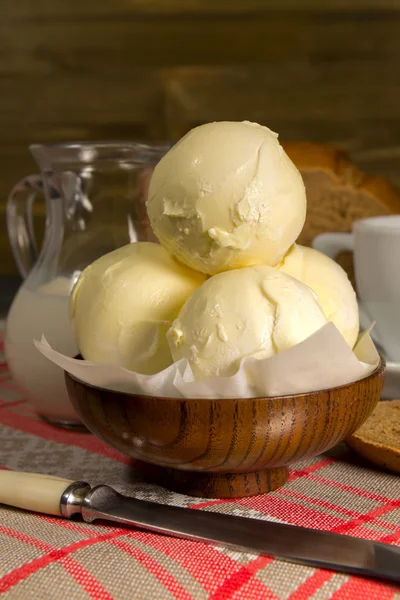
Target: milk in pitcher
x: 43, y: 311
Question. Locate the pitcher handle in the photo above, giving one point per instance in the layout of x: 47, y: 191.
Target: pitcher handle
x: 20, y: 222
x: 332, y: 244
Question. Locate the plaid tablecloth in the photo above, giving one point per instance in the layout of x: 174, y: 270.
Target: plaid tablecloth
x: 46, y: 558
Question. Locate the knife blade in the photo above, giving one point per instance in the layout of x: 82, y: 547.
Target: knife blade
x: 289, y: 543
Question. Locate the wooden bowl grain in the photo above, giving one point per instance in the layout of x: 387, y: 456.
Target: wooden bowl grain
x: 224, y: 448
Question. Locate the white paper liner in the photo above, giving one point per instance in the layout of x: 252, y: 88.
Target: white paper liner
x: 322, y: 361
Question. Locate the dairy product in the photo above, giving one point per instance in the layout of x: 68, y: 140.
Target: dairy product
x: 227, y: 196
x: 124, y: 303
x: 252, y: 312
x: 35, y: 312
x: 331, y: 284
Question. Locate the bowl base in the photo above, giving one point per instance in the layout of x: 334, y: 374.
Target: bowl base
x: 216, y: 485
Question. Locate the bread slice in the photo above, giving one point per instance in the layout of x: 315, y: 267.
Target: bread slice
x: 378, y: 439
x: 338, y: 193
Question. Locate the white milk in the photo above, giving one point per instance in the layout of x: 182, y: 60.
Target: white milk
x: 33, y: 313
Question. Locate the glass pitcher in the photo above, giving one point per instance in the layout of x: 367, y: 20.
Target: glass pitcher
x: 95, y: 197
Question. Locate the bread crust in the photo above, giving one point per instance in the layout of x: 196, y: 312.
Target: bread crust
x: 309, y: 156
x: 378, y: 439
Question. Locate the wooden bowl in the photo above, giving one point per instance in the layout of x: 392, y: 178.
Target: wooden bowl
x: 224, y: 448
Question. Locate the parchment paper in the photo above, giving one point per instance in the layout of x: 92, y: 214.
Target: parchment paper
x: 322, y: 361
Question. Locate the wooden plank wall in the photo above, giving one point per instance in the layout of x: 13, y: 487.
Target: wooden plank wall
x: 320, y: 70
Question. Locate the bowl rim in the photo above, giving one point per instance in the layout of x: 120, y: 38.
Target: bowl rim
x: 380, y: 369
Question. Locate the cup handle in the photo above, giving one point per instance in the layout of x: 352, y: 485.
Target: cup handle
x: 20, y: 222
x: 332, y: 244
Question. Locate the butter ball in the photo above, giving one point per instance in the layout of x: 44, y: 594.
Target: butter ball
x: 123, y: 304
x: 331, y: 284
x: 252, y: 312
x: 227, y: 196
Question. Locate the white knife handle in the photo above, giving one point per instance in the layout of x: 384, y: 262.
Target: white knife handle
x: 32, y: 491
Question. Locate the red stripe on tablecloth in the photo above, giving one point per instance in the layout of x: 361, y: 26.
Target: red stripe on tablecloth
x: 317, y: 581
x: 282, y: 509
x: 162, y: 574
x: 348, y: 488
x: 171, y: 547
x: 86, y: 441
x: 311, y: 585
x: 70, y: 525
x: 318, y: 502
x: 336, y: 507
x: 364, y: 589
x: 238, y: 580
x: 10, y: 384
x: 86, y: 580
x: 208, y: 503
x: 252, y: 568
x: 306, y: 590
x: 53, y: 555
x: 259, y: 563
x: 79, y: 527
x: 206, y: 564
x: 253, y: 590
x: 295, y: 514
x: 11, y: 403
x: 368, y: 517
x: 23, y: 537
x: 319, y: 464
x: 390, y: 539
x: 235, y: 582
x: 27, y: 407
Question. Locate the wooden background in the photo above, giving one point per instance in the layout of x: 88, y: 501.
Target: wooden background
x: 323, y: 70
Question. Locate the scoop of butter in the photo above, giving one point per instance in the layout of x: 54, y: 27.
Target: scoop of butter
x: 331, y: 284
x: 123, y: 304
x: 252, y: 312
x: 227, y: 196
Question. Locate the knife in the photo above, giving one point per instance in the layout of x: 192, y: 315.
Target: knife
x: 62, y: 497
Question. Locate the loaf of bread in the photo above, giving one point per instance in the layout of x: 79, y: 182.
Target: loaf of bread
x: 338, y: 193
x: 378, y: 439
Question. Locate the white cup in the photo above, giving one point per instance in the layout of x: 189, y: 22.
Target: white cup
x: 375, y: 243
